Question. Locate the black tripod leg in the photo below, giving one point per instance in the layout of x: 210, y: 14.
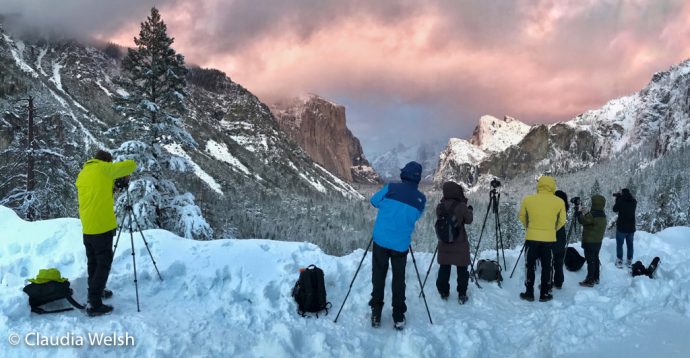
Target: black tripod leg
x: 134, y: 261
x: 429, y: 270
x: 353, y: 280
x: 148, y: 249
x: 481, y: 233
x: 518, y: 260
x: 421, y: 287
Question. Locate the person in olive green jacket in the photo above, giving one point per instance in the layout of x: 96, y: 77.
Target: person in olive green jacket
x: 97, y: 214
x: 593, y: 229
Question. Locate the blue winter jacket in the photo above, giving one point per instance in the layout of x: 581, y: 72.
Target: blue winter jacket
x: 400, y: 206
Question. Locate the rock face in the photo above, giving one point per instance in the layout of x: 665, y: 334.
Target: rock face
x: 460, y: 160
x: 657, y: 117
x: 319, y: 127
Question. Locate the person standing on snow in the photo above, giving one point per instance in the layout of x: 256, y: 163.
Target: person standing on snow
x: 97, y: 214
x: 625, y: 206
x: 593, y: 229
x: 542, y: 214
x: 399, y: 206
x: 456, y: 253
x: 559, y: 248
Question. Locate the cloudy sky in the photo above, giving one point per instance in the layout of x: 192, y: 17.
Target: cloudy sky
x: 408, y: 70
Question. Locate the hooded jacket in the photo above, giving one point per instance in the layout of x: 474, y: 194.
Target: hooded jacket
x: 95, y: 190
x: 594, y: 222
x: 399, y: 206
x: 458, y: 252
x: 625, y: 206
x: 543, y: 213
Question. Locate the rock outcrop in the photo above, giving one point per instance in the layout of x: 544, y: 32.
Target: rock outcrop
x: 319, y: 127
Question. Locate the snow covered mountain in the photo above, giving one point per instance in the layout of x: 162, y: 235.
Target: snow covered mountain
x: 658, y: 117
x: 319, y: 127
x: 243, y: 164
x: 232, y: 298
x: 459, y: 160
x: 389, y: 163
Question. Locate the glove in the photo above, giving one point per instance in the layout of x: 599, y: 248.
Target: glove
x: 470, y: 207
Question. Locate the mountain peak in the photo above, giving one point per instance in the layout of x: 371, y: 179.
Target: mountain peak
x: 494, y: 135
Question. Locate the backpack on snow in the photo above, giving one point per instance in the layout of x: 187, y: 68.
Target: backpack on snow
x: 48, y: 287
x: 310, y: 292
x: 638, y: 268
x: 573, y: 260
x: 446, y: 225
x: 489, y: 270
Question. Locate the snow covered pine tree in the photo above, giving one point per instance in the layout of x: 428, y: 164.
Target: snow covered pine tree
x: 152, y: 103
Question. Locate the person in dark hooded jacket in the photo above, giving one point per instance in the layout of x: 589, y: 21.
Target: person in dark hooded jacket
x: 593, y: 230
x: 625, y: 206
x: 399, y: 206
x: 559, y: 248
x: 456, y: 253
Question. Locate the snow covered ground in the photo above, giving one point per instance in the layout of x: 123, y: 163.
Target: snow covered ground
x: 231, y: 298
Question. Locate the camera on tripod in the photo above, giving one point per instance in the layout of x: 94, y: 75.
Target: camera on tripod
x: 495, y: 183
x: 122, y: 183
x: 576, y: 201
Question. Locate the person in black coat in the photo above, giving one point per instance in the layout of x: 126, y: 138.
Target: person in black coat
x: 625, y: 206
x: 559, y: 248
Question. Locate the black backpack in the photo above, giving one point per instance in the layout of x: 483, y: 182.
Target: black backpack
x: 573, y: 260
x: 489, y: 270
x: 310, y: 292
x: 638, y: 268
x: 42, y: 293
x: 446, y: 225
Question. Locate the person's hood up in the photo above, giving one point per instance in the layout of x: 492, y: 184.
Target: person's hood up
x: 598, y: 202
x: 546, y: 184
x: 453, y: 191
x: 561, y: 194
x: 412, y: 172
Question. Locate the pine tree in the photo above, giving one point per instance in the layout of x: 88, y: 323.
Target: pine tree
x: 155, y: 85
x: 596, y: 188
x: 152, y: 105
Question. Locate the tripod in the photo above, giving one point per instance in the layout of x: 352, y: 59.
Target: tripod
x: 129, y: 218
x: 494, y: 200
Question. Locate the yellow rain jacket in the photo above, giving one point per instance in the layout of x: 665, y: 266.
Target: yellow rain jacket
x: 95, y: 188
x: 543, y: 213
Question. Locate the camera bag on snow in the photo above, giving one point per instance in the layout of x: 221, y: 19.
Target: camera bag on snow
x: 638, y: 268
x: 446, y: 226
x: 48, y: 287
x: 489, y: 270
x: 573, y: 260
x: 310, y: 292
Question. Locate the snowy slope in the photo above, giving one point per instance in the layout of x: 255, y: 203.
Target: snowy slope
x: 231, y: 298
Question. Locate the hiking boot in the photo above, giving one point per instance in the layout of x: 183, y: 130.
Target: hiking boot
x: 375, y: 320
x: 587, y: 283
x: 527, y: 296
x: 628, y: 263
x: 444, y: 296
x: 99, y: 310
x: 399, y: 325
x: 596, y: 281
x: 619, y: 263
x: 107, y: 293
x: 462, y: 299
x: 545, y: 297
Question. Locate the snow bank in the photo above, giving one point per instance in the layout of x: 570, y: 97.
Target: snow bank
x: 231, y: 298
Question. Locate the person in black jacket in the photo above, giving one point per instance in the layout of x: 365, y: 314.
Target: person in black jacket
x: 559, y: 248
x: 625, y: 206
